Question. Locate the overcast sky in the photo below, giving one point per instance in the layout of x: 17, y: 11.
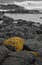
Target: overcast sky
x: 3, y: 1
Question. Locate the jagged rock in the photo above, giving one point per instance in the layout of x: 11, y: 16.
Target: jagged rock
x: 3, y: 53
x: 40, y: 26
x: 39, y: 37
x: 38, y: 61
x: 2, y: 35
x: 19, y: 33
x: 40, y: 51
x: 0, y: 26
x: 30, y: 23
x: 18, y: 58
x: 19, y: 28
x: 25, y: 26
x: 1, y: 40
x: 34, y: 45
x: 21, y: 22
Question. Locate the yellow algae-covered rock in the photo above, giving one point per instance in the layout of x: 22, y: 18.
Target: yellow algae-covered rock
x: 35, y: 54
x: 15, y: 42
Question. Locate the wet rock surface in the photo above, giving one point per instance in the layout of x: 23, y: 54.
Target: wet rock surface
x: 31, y: 32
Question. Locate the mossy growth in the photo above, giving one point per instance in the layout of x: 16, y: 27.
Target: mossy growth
x: 15, y: 42
x: 35, y: 54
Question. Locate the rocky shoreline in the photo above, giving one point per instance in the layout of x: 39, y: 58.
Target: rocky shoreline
x: 28, y: 30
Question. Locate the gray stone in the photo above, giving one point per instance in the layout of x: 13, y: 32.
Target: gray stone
x: 3, y: 53
x: 18, y: 58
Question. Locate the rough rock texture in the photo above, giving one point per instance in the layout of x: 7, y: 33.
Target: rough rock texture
x: 28, y: 30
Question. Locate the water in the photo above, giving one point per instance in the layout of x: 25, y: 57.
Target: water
x: 28, y: 17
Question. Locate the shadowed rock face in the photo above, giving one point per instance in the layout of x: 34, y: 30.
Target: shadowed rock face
x: 29, y: 31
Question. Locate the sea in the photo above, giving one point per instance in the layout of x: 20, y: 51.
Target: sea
x: 28, y: 17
